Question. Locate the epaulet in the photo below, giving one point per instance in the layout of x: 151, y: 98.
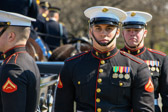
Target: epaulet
x: 8, y: 59
x: 157, y: 52
x: 132, y: 57
x: 77, y: 55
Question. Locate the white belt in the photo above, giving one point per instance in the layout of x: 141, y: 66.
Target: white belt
x: 156, y: 102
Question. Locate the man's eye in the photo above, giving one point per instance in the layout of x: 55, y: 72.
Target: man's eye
x: 98, y: 29
x: 137, y: 30
x: 109, y: 28
x: 128, y: 30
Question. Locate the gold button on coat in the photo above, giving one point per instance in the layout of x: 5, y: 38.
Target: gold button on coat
x: 98, y: 90
x: 129, y: 51
x: 97, y: 53
x: 99, y: 109
x: 138, y: 51
x: 97, y: 100
x: 102, y: 62
x: 100, y: 70
x: 121, y: 84
x: 108, y: 54
x: 99, y: 80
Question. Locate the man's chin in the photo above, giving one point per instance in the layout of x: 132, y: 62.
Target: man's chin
x: 132, y: 45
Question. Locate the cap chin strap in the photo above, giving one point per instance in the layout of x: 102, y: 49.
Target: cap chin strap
x: 104, y: 44
x: 133, y: 47
x: 4, y: 29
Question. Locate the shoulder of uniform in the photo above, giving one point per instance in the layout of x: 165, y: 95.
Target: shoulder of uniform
x: 77, y: 56
x: 11, y: 65
x: 133, y: 58
x: 156, y: 52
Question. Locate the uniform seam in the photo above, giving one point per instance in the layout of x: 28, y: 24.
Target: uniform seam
x: 157, y: 52
x: 78, y: 56
x: 96, y: 86
x: 131, y: 58
x: 16, y: 58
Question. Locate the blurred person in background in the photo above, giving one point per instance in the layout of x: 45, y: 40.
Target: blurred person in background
x: 55, y: 28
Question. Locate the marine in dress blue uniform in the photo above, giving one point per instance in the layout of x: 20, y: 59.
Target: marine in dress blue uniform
x: 54, y: 28
x: 156, y: 60
x: 19, y: 75
x: 41, y: 28
x: 109, y: 81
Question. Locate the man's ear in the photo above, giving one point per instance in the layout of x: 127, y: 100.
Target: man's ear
x: 11, y: 36
x: 145, y: 33
x: 122, y: 32
x: 118, y: 33
x: 90, y: 32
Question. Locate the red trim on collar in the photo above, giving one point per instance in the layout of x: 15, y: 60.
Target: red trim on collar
x: 105, y: 58
x: 141, y: 52
x: 13, y: 48
x: 135, y: 49
x: 104, y: 51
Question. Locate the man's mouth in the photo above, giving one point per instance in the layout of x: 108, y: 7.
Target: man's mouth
x: 132, y: 39
x: 103, y: 41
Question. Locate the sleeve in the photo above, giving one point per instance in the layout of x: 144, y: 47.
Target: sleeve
x: 143, y: 91
x: 163, y: 84
x: 13, y: 89
x: 65, y: 91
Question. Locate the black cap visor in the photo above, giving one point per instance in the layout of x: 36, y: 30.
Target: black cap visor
x: 134, y: 24
x: 103, y: 20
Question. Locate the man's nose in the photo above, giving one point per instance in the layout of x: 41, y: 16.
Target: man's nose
x: 104, y: 32
x: 132, y: 32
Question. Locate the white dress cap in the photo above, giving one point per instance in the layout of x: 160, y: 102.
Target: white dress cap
x: 105, y: 11
x: 138, y: 16
x: 14, y: 19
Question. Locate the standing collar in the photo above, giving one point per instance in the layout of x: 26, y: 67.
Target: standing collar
x: 134, y: 52
x: 104, y: 55
x: 13, y: 50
